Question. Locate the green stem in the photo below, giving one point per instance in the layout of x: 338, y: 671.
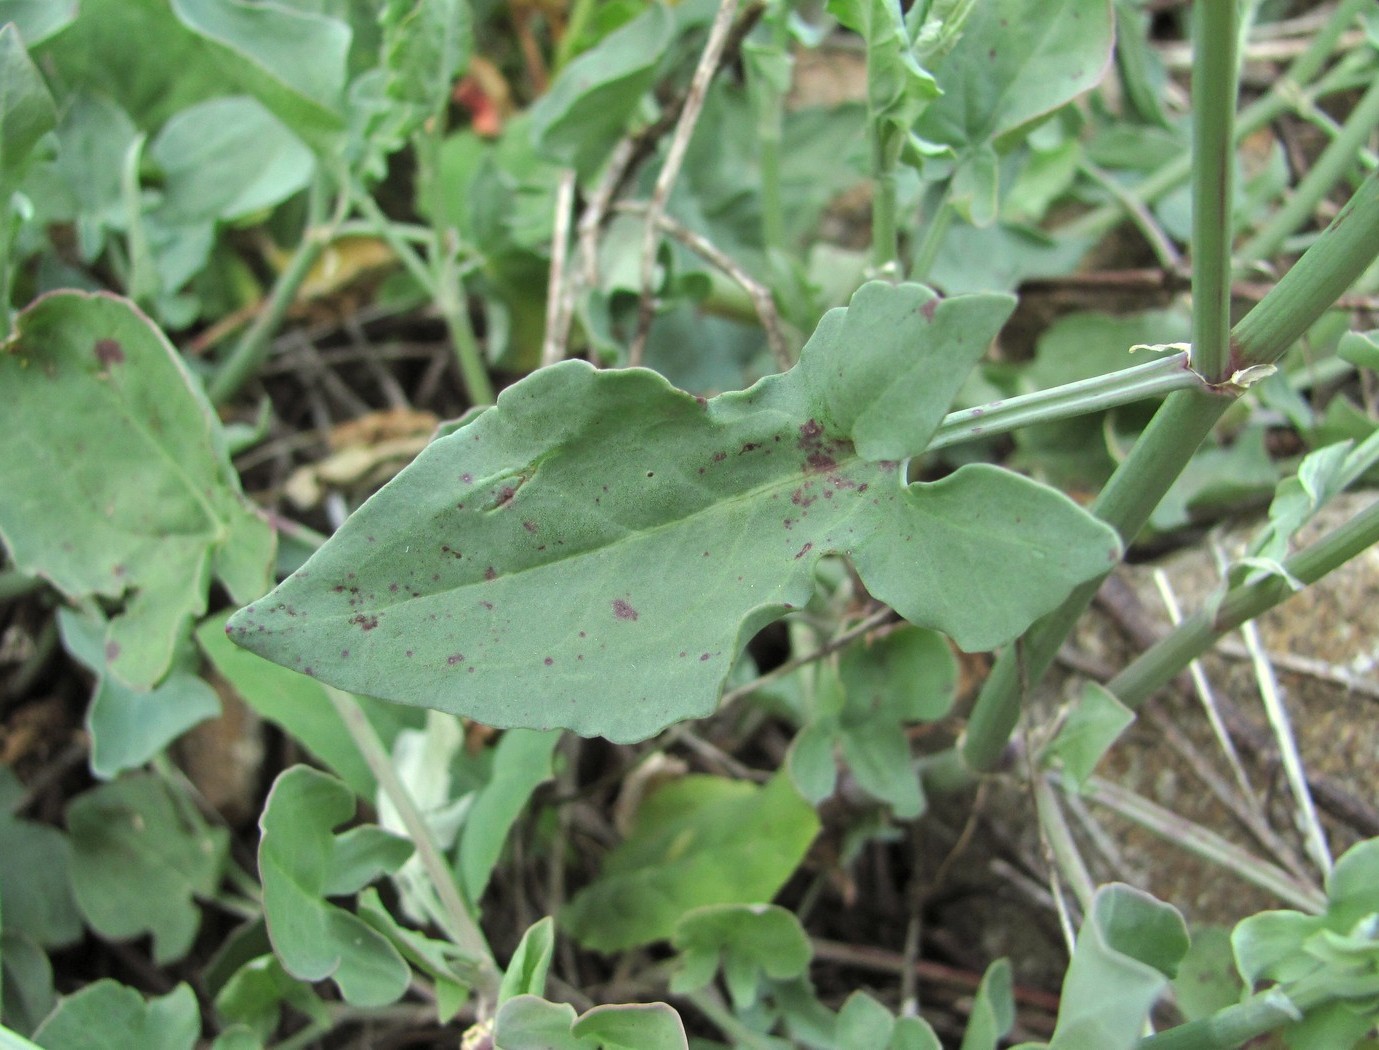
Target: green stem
x: 399, y: 241
x: 934, y: 234
x: 709, y: 1005
x: 1213, y: 155
x: 462, y: 928
x: 448, y: 281
x: 580, y: 13
x: 1061, y: 845
x: 1287, y: 94
x: 1308, y: 64
x: 1139, y: 215
x: 451, y: 301
x: 885, y: 231
x: 1336, y: 160
x: 768, y: 78
x: 1262, y: 1013
x: 253, y: 347
x: 1343, y: 251
x: 443, y: 280
x: 9, y: 226
x: 1153, y: 379
x: 1198, y: 633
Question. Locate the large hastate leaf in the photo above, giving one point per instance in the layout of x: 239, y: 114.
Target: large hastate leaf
x: 115, y: 479
x: 594, y: 551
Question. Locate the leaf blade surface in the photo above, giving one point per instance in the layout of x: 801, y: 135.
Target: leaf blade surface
x: 594, y: 551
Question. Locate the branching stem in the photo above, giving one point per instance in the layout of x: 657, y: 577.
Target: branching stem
x: 461, y: 925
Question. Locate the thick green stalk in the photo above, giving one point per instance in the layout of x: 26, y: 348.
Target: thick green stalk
x: 885, y: 230
x: 1213, y: 162
x: 1343, y: 251
x: 1097, y: 394
x: 1284, y: 97
x: 1336, y: 160
x: 1199, y: 632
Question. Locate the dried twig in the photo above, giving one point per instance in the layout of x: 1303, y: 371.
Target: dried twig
x: 670, y: 170
x: 759, y: 294
x: 873, y: 621
x: 555, y: 341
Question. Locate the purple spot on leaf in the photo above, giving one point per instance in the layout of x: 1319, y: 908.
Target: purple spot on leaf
x: 623, y: 611
x: 109, y: 352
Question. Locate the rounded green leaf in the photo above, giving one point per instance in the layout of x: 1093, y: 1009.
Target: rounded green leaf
x: 582, y: 116
x: 129, y: 726
x: 116, y: 1017
x: 697, y: 841
x: 1013, y: 63
x: 1128, y: 949
x: 37, y: 20
x: 292, y: 60
x: 633, y: 1026
x: 528, y: 1022
x: 226, y: 158
x: 41, y: 909
x: 149, y: 507
x: 138, y: 867
x: 298, y: 857
x: 27, y: 112
x: 749, y: 941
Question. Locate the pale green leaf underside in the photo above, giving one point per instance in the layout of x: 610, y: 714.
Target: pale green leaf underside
x: 593, y: 552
